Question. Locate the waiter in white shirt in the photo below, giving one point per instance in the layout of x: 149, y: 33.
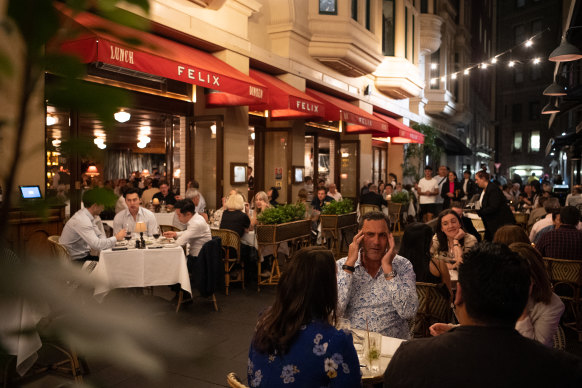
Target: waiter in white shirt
x: 81, y: 233
x: 134, y: 213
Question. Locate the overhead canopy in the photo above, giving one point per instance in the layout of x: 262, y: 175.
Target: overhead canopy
x: 284, y: 101
x: 452, y: 145
x: 358, y: 120
x: 400, y: 133
x: 102, y: 41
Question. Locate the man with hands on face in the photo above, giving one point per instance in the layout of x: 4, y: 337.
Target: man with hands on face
x: 376, y: 287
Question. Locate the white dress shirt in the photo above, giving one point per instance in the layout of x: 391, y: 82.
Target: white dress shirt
x: 196, y: 234
x: 124, y: 217
x: 81, y: 234
x: 337, y: 196
x: 201, y: 204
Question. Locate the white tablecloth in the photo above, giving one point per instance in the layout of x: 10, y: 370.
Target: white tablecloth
x: 140, y: 268
x: 17, y: 316
x: 161, y: 218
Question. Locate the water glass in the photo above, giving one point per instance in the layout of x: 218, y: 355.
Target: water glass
x: 372, y: 351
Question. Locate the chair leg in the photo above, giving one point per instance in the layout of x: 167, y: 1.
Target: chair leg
x: 180, y: 298
x: 226, y: 274
x: 242, y: 268
x: 215, y: 303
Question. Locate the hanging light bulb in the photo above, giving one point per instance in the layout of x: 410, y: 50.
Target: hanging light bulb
x: 433, y: 66
x: 433, y: 81
x: 528, y: 43
x: 141, y: 145
x: 144, y: 139
x: 536, y: 61
x: 122, y: 116
x: 101, y: 146
x: 494, y: 60
x: 511, y: 63
x: 443, y: 78
x: 466, y: 72
x: 483, y: 65
x: 454, y: 76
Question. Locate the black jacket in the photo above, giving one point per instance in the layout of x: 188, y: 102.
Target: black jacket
x: 494, y: 211
x: 445, y: 190
x: 207, y: 270
x: 372, y: 198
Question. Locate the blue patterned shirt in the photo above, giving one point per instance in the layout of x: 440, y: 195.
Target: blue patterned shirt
x: 320, y: 356
x: 386, y: 304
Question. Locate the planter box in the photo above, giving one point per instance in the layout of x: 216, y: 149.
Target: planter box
x: 335, y: 221
x: 272, y: 234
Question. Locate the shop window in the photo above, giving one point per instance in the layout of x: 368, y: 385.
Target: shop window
x: 435, y: 70
x: 388, y: 28
x: 517, y: 141
x: 424, y: 6
x: 406, y: 42
x: 308, y: 159
x: 275, y: 153
x: 368, y: 11
x: 518, y: 74
x: 534, y: 142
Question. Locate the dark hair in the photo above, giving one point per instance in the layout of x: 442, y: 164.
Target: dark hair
x: 415, y: 246
x: 542, y: 287
x: 454, y: 173
x: 307, y: 179
x: 550, y: 204
x: 374, y: 216
x: 569, y: 215
x: 495, y: 284
x: 274, y: 193
x: 307, y: 290
x: 509, y: 234
x: 428, y: 168
x: 467, y: 172
x: 483, y: 175
x: 186, y: 206
x: 319, y: 188
x: 163, y: 183
x: 457, y: 204
x: 441, y: 236
x: 131, y: 190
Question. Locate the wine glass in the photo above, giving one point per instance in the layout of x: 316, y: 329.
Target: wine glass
x: 156, y: 233
x: 127, y: 234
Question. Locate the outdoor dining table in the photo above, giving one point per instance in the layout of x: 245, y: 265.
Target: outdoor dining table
x: 140, y: 268
x: 388, y: 348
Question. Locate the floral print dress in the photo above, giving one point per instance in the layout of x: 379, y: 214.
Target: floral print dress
x: 321, y: 356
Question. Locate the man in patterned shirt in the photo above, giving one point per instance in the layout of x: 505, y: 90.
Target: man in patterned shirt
x: 376, y: 287
x: 565, y: 242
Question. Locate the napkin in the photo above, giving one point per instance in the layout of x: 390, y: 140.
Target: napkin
x: 389, y: 345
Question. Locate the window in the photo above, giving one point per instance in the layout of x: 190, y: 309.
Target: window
x: 518, y: 74
x: 534, y: 143
x: 536, y: 26
x: 328, y: 7
x: 368, y: 14
x: 355, y: 10
x: 388, y: 28
x: 534, y: 110
x: 519, y: 34
x: 406, y: 32
x: 424, y: 6
x: 520, y: 3
x: 435, y: 69
x: 516, y: 113
x: 517, y: 141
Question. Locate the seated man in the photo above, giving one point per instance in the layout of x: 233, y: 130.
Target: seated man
x: 376, y: 287
x: 197, y: 232
x: 565, y: 242
x: 81, y: 233
x: 373, y: 198
x: 492, y: 293
x: 549, y: 205
x: 127, y: 218
x: 196, y: 197
x: 165, y: 194
x: 332, y: 192
x: 321, y: 199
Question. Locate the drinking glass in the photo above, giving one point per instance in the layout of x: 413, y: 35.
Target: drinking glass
x: 156, y: 233
x: 343, y: 324
x: 372, y: 350
x: 127, y: 233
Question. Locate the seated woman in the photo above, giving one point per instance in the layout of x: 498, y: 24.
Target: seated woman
x: 261, y: 203
x: 234, y: 218
x: 508, y: 234
x: 295, y: 343
x: 543, y: 311
x: 450, y: 239
x: 415, y: 246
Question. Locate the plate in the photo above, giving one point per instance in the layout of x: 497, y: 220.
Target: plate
x: 170, y: 245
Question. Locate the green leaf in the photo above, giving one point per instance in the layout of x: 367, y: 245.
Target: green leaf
x: 338, y: 207
x: 36, y: 20
x: 6, y: 68
x: 282, y: 214
x: 64, y: 65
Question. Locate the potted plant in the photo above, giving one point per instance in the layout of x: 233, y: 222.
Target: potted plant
x: 335, y: 217
x: 282, y: 223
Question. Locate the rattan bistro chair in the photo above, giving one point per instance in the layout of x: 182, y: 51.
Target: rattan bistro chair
x: 230, y: 242
x: 395, y: 214
x: 566, y: 278
x: 234, y: 381
x: 57, y: 250
x: 433, y: 307
x: 169, y: 228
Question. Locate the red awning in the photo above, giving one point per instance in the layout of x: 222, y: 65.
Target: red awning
x: 400, y: 133
x: 359, y: 121
x: 285, y: 101
x: 107, y: 42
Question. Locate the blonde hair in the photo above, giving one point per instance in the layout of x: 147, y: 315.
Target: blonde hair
x: 235, y: 202
x: 264, y: 197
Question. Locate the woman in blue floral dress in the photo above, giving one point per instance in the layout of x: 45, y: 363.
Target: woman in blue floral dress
x: 296, y: 344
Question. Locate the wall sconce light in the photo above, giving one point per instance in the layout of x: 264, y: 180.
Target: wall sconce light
x: 122, y: 116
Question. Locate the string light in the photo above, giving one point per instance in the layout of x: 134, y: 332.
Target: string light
x: 495, y: 60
